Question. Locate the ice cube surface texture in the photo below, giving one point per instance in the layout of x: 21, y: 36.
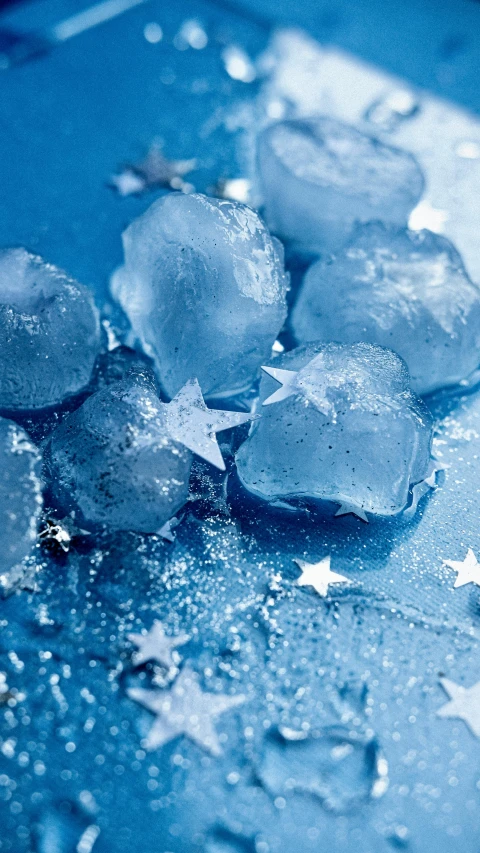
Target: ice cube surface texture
x: 204, y: 288
x: 20, y: 494
x: 319, y: 176
x: 49, y: 333
x: 348, y: 429
x: 401, y: 289
x: 114, y: 463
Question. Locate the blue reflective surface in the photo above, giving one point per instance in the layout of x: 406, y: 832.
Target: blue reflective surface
x: 338, y: 746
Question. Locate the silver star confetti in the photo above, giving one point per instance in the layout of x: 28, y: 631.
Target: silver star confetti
x: 58, y: 535
x: 464, y: 704
x: 287, y: 380
x: 346, y: 508
x: 167, y: 530
x: 319, y: 576
x: 153, y: 171
x: 157, y: 646
x: 468, y: 570
x: 192, y: 424
x: 184, y: 710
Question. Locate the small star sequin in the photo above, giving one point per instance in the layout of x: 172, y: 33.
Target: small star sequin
x: 464, y: 704
x: 319, y: 575
x: 155, y: 170
x: 468, y: 570
x: 346, y: 508
x: 287, y: 380
x: 186, y: 710
x: 157, y: 646
x: 167, y: 530
x: 57, y: 536
x: 192, y: 424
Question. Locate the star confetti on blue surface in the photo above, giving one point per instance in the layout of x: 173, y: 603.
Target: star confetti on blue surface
x: 156, y: 645
x: 468, y: 570
x: 464, y: 704
x: 185, y: 709
x: 346, y: 508
x: 319, y: 576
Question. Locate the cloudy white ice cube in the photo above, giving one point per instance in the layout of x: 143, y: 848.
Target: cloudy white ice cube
x: 49, y: 333
x: 113, y: 461
x: 401, y: 289
x: 348, y: 429
x: 204, y: 288
x: 319, y: 176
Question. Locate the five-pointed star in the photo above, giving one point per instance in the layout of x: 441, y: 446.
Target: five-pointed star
x: 346, y: 508
x: 287, y: 380
x: 127, y: 183
x: 156, y: 645
x: 167, y: 530
x: 468, y: 571
x: 319, y: 575
x: 184, y: 710
x: 192, y: 424
x: 464, y: 704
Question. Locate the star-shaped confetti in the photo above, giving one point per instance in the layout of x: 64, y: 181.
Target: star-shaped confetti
x: 167, y: 530
x: 319, y: 575
x: 155, y: 170
x: 287, y: 381
x: 346, y: 508
x: 468, y: 570
x: 464, y: 704
x: 186, y: 710
x: 157, y: 646
x: 192, y: 424
x: 57, y: 536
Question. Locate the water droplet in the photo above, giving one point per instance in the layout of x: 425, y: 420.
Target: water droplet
x: 392, y: 109
x: 339, y: 767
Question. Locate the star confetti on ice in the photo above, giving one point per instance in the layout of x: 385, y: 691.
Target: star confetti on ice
x: 58, y: 535
x: 167, y: 530
x: 157, y: 646
x: 468, y: 570
x: 287, y: 380
x: 184, y: 710
x: 127, y: 183
x: 319, y: 576
x: 346, y: 508
x: 464, y: 704
x: 155, y: 170
x: 194, y: 425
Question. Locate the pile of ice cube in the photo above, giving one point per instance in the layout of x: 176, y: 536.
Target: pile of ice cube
x: 203, y: 288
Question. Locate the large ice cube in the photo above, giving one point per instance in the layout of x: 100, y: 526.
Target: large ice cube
x: 20, y: 494
x: 345, y: 428
x: 319, y: 176
x: 403, y: 289
x: 114, y: 462
x: 204, y: 288
x: 49, y: 333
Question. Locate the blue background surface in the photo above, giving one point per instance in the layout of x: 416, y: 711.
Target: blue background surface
x: 367, y: 660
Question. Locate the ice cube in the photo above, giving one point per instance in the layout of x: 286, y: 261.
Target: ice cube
x: 402, y: 289
x: 114, y: 462
x: 204, y: 288
x: 20, y: 494
x: 319, y: 176
x: 345, y: 427
x: 49, y: 333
